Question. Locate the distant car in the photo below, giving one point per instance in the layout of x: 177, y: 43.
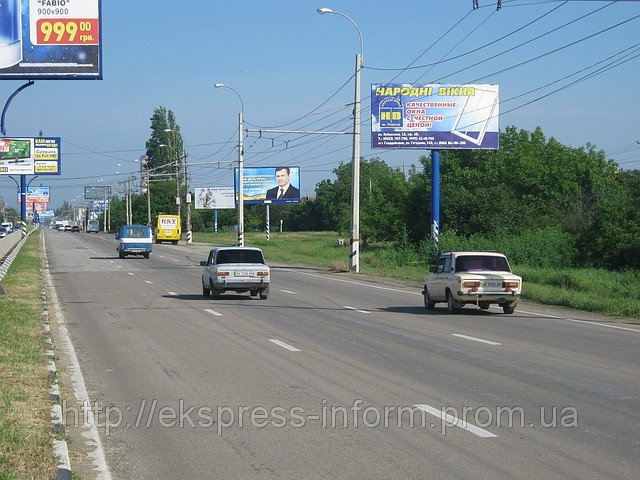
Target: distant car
x: 480, y: 278
x: 75, y: 228
x: 61, y: 228
x: 3, y: 232
x: 238, y: 269
x: 93, y: 226
x: 67, y: 228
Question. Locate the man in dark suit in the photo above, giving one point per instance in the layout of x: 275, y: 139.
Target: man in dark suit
x: 284, y: 188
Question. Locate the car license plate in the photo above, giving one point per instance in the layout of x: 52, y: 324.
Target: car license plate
x: 243, y: 274
x: 491, y: 284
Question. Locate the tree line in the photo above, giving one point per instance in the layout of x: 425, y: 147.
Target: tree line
x: 542, y: 202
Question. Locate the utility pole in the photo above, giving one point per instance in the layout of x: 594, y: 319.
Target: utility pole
x: 187, y: 195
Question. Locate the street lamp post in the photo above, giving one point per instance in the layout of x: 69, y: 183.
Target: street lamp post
x: 354, y: 257
x: 240, y: 166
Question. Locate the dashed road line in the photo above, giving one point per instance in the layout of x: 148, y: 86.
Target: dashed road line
x: 212, y: 312
x: 354, y: 308
x: 289, y: 291
x: 475, y: 339
x: 149, y: 282
x: 454, y: 420
x: 284, y: 345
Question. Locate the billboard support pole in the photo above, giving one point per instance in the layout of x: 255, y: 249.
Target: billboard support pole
x: 435, y: 197
x: 215, y: 221
x: 23, y: 205
x: 6, y: 105
x: 267, y: 205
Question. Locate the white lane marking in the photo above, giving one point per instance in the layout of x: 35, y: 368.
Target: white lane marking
x: 475, y: 339
x: 352, y: 282
x: 149, y: 282
x: 111, y: 261
x: 354, y: 308
x: 284, y: 345
x: 212, y: 312
x: 288, y: 291
x: 161, y: 256
x: 581, y: 321
x: 119, y: 266
x: 174, y: 294
x: 451, y: 421
x: 174, y: 260
x: 132, y: 274
x: 195, y: 266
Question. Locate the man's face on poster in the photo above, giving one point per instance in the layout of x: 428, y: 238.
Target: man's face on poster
x: 282, y: 176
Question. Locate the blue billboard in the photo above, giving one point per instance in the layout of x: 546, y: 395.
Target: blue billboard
x: 269, y: 185
x: 434, y: 117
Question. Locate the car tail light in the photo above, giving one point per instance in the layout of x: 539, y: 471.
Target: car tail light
x: 473, y: 285
x: 223, y: 274
x: 263, y: 274
x: 513, y: 285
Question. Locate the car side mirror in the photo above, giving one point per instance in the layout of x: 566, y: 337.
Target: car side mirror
x: 203, y: 263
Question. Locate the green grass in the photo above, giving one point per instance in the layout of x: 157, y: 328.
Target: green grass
x: 25, y: 421
x: 594, y: 290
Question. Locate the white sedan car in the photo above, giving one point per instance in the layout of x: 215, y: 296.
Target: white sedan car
x: 238, y: 269
x: 479, y: 278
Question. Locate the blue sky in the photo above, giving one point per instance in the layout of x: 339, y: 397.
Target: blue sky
x: 286, y: 60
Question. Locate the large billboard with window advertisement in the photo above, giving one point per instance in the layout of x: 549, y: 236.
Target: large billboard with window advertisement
x: 30, y: 156
x: 269, y: 185
x: 50, y: 39
x: 434, y: 117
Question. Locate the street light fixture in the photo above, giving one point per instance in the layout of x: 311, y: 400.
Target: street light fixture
x: 354, y: 258
x: 240, y: 166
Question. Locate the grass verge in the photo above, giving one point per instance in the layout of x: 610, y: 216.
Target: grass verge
x: 593, y: 290
x: 25, y: 418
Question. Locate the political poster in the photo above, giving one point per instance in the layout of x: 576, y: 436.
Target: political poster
x: 269, y: 185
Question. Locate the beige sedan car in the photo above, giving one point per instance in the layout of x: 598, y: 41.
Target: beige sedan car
x: 479, y: 278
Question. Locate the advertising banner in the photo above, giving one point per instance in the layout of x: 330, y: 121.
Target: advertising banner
x: 269, y: 185
x: 434, y: 117
x: 40, y: 195
x: 30, y: 156
x: 97, y: 192
x: 50, y: 39
x: 214, y: 198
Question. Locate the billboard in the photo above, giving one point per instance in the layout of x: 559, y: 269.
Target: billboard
x: 39, y: 195
x: 97, y: 192
x: 30, y: 156
x: 269, y: 185
x: 214, y: 198
x: 50, y: 39
x: 434, y: 117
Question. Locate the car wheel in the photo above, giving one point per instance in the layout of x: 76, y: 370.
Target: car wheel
x: 508, y: 308
x: 452, y: 305
x: 206, y: 291
x: 120, y: 255
x: 263, y: 296
x: 428, y: 303
x: 484, y: 305
x: 215, y: 292
x: 146, y: 255
x: 253, y: 293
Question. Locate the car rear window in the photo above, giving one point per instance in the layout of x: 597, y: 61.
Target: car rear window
x: 475, y: 263
x: 137, y: 233
x: 240, y: 256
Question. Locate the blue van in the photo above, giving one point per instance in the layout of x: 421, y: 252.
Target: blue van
x: 134, y: 240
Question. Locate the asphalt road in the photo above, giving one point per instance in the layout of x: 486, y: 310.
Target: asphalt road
x: 323, y: 379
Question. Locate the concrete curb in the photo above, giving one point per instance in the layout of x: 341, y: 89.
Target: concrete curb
x: 60, y: 447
